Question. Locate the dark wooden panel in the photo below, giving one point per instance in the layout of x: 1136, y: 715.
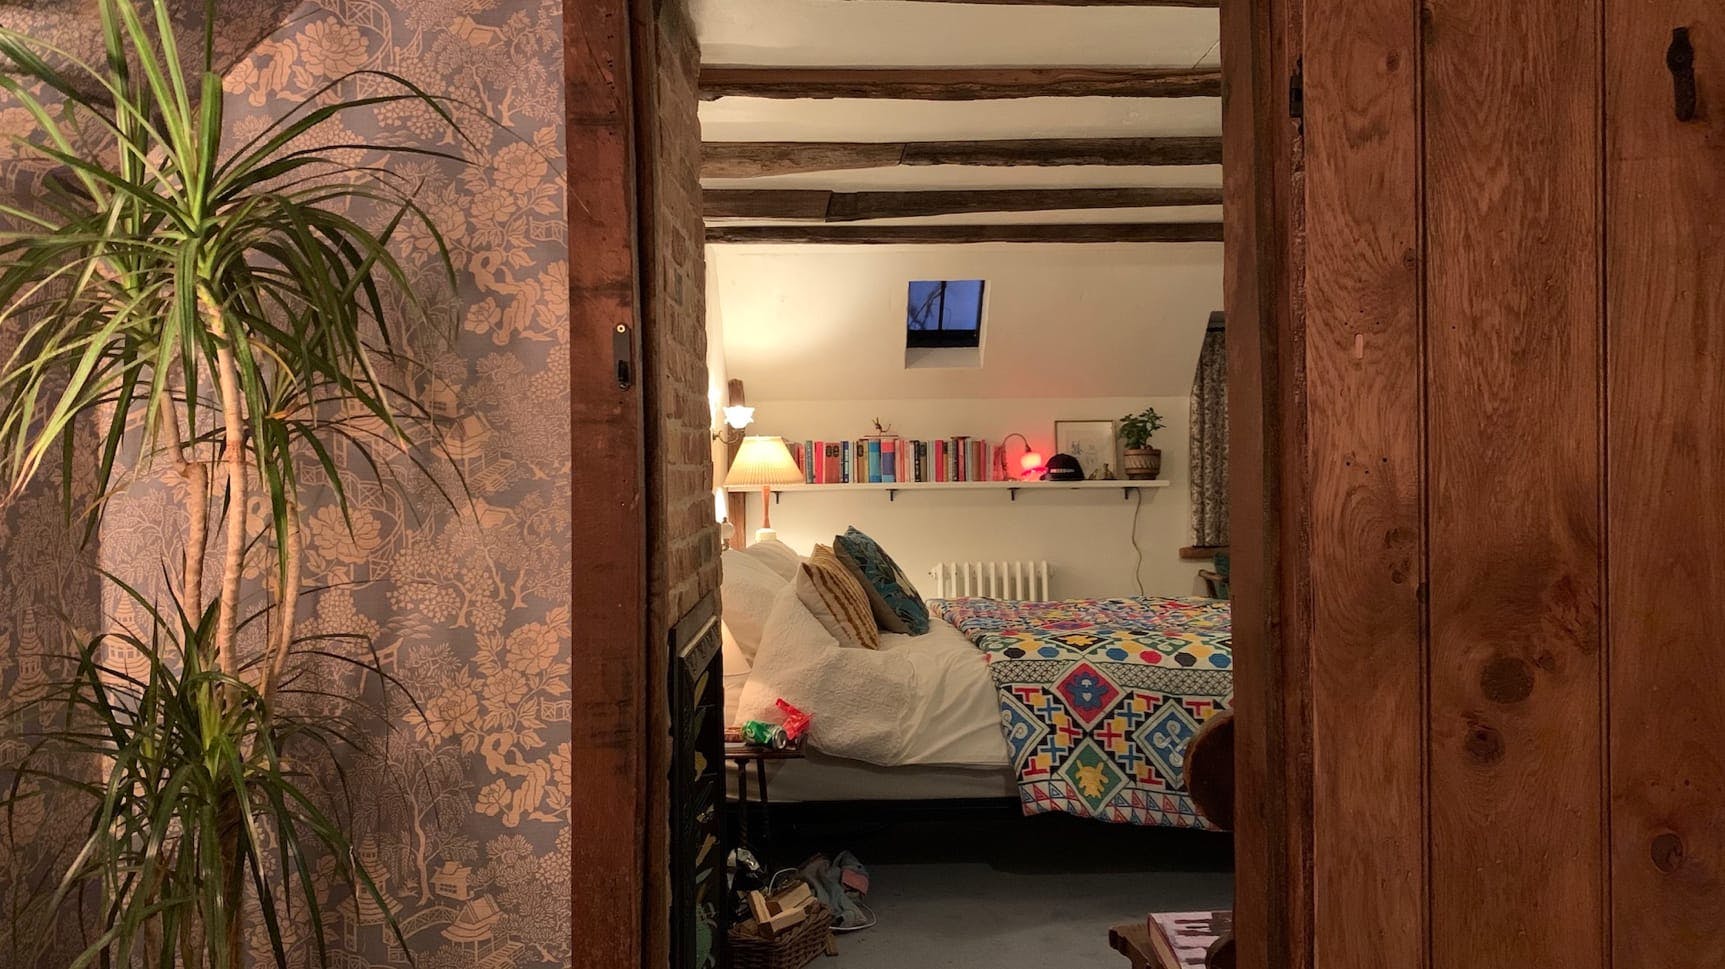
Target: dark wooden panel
x: 1363, y: 353
x: 1665, y: 186
x: 609, y: 709
x: 750, y: 159
x: 871, y: 235
x: 1272, y: 832
x: 959, y: 83
x: 1512, y: 155
x: 858, y: 206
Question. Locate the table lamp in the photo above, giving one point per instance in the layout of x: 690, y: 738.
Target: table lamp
x: 764, y: 461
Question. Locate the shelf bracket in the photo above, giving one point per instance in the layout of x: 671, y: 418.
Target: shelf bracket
x: 892, y: 494
x: 777, y: 495
x: 1125, y: 494
x: 1013, y: 492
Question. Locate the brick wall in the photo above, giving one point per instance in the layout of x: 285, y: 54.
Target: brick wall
x: 684, y: 559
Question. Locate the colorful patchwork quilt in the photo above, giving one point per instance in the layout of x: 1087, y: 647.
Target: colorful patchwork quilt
x: 1098, y: 697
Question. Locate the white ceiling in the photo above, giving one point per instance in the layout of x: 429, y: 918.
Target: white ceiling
x: 827, y: 322
x: 843, y: 119
x: 880, y: 33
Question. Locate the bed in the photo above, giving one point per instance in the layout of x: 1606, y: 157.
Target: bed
x: 1081, y: 707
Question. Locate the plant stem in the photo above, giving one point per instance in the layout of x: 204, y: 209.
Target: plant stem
x: 197, y: 477
x: 234, y: 455
x: 287, y: 599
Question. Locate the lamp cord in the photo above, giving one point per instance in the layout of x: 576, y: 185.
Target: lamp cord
x: 1138, y: 550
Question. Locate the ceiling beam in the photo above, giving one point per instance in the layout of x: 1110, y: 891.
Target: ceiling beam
x: 825, y: 206
x: 751, y: 159
x: 965, y: 234
x: 1082, y: 3
x: 959, y: 83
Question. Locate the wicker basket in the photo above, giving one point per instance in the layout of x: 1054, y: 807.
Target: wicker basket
x: 794, y: 948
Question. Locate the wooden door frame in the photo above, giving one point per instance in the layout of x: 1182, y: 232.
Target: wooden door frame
x: 1269, y: 477
x: 610, y: 877
x: 611, y: 685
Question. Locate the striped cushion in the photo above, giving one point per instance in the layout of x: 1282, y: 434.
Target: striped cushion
x: 837, y: 599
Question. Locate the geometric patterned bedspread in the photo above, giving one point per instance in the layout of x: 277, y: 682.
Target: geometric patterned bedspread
x: 1098, y: 697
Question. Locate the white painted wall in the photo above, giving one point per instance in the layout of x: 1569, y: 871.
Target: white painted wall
x: 1086, y: 535
x: 1070, y: 332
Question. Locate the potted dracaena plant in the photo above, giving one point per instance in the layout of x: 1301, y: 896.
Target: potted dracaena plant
x: 218, y: 311
x: 1141, y: 461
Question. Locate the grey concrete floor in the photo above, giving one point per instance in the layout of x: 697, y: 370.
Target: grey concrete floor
x: 1020, y: 893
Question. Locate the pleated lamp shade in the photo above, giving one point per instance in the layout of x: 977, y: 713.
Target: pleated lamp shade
x: 764, y: 461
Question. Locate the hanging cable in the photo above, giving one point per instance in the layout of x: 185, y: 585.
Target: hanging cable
x: 1138, y: 550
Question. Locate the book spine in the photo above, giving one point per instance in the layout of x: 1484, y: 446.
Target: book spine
x: 845, y: 463
x: 888, y: 461
x: 808, y: 462
x: 874, y: 460
x: 940, y: 460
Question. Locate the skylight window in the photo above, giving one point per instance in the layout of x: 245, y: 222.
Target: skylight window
x: 945, y: 313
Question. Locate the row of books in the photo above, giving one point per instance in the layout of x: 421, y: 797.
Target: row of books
x: 886, y: 460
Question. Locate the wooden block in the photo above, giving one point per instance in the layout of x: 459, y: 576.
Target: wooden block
x: 798, y: 897
x: 782, y: 921
x: 758, y: 906
x: 1132, y: 940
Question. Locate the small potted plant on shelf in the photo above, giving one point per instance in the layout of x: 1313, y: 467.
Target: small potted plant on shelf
x: 1141, y: 461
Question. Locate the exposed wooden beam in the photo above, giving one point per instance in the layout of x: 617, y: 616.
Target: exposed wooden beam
x: 1082, y: 3
x: 965, y: 234
x: 825, y: 206
x: 750, y: 159
x: 959, y: 84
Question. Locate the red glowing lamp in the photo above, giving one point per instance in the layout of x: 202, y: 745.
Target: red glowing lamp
x: 1030, y: 463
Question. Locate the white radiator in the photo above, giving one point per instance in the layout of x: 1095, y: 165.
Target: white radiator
x: 1019, y: 581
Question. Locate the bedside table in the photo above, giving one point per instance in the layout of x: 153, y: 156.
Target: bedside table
x: 743, y: 755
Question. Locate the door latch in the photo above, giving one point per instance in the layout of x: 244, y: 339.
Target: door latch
x: 1680, y: 58
x: 623, y: 355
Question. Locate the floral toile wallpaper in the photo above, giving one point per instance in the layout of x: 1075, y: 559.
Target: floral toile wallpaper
x: 466, y: 809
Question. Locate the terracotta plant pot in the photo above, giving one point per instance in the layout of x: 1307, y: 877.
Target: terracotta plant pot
x: 1142, y: 463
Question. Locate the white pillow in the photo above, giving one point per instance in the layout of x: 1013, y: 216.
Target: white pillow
x: 776, y: 555
x: 746, y: 594
x: 737, y: 668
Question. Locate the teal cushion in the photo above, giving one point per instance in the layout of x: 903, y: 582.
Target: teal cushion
x: 897, y: 598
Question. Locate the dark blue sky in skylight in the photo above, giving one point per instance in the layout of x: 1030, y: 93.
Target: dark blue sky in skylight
x: 945, y: 305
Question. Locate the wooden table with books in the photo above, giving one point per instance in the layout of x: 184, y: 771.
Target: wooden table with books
x: 1177, y: 940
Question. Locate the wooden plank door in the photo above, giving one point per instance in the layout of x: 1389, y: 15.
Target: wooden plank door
x: 610, y: 688
x: 1665, y: 237
x: 1363, y: 352
x: 1512, y: 160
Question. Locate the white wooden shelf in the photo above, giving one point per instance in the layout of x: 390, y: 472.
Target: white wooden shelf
x: 1012, y: 488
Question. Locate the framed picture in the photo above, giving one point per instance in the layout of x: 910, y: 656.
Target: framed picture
x: 1093, y: 443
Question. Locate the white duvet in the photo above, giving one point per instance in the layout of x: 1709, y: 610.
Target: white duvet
x: 917, y: 700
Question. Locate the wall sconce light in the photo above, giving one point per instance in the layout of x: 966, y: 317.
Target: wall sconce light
x: 737, y: 419
x: 1030, y: 463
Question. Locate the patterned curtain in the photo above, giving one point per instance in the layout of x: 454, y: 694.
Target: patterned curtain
x: 1210, y: 440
